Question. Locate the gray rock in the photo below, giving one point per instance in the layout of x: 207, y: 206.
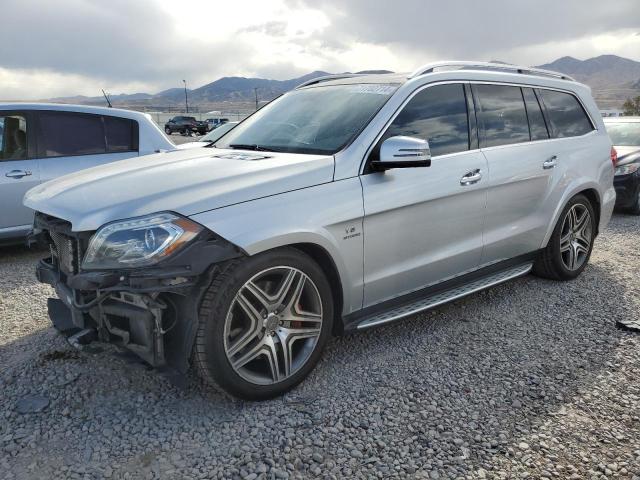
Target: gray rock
x: 32, y: 404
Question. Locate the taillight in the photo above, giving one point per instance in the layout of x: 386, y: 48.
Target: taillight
x: 614, y: 157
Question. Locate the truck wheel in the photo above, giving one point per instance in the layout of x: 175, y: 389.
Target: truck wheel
x: 569, y: 248
x: 167, y: 130
x: 263, y: 324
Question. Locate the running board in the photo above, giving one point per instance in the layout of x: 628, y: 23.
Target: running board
x: 444, y: 296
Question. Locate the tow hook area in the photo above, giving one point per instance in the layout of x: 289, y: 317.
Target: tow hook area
x: 83, y: 337
x: 63, y: 322
x: 136, y: 320
x: 131, y: 320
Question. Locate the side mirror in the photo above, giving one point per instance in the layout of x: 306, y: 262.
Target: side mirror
x: 403, y: 152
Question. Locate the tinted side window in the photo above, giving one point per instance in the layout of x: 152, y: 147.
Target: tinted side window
x: 437, y: 114
x: 13, y: 137
x: 568, y: 118
x: 502, y: 117
x: 537, y: 126
x: 121, y: 133
x: 65, y: 134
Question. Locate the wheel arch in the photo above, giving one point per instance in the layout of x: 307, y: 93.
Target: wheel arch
x: 329, y: 268
x: 591, y: 192
x: 341, y: 265
x: 596, y: 203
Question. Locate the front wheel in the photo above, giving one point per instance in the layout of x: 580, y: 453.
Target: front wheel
x: 263, y: 324
x: 167, y: 130
x: 569, y: 248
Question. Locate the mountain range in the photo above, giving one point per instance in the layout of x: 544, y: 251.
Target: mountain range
x: 613, y: 79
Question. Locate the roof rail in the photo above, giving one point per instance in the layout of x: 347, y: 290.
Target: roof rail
x: 431, y: 67
x: 327, y: 78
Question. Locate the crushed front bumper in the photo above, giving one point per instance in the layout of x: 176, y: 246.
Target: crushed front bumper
x: 151, y: 311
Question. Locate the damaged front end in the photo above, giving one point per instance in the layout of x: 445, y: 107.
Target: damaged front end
x: 150, y: 309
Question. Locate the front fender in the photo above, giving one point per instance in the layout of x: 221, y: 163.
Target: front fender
x: 328, y: 216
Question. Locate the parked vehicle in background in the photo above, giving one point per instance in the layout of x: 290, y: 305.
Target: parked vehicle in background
x: 625, y: 135
x: 185, y: 126
x: 349, y: 202
x: 213, y: 123
x: 39, y: 142
x: 212, y: 137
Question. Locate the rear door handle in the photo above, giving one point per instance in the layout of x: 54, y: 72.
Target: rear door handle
x: 474, y: 176
x: 550, y: 163
x: 18, y: 174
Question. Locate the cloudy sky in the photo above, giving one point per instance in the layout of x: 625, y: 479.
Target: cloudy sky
x: 68, y: 47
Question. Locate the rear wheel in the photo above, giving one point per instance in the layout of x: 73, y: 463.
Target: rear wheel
x: 263, y: 324
x: 569, y: 248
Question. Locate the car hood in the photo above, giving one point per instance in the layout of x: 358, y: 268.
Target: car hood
x: 183, y: 181
x: 188, y: 145
x: 627, y: 155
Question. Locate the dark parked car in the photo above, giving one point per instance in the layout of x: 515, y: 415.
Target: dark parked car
x: 625, y: 136
x: 185, y: 125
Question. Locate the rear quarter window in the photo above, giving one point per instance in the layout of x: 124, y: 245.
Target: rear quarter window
x: 566, y: 116
x: 121, y: 134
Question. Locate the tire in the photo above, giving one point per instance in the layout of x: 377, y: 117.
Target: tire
x: 167, y: 130
x: 228, y: 335
x: 555, y: 261
x: 635, y: 208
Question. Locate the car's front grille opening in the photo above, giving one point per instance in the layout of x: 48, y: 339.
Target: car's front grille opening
x: 67, y: 247
x: 64, y: 249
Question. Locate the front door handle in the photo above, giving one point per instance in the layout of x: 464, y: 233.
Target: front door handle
x: 18, y: 174
x: 474, y: 176
x: 550, y: 163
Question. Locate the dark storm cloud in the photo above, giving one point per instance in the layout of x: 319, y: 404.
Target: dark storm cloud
x: 472, y: 29
x: 113, y: 40
x: 127, y: 42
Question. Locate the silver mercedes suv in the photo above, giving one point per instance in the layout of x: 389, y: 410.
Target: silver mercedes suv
x: 348, y: 203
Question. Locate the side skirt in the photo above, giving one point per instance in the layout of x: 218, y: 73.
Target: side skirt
x: 439, y: 294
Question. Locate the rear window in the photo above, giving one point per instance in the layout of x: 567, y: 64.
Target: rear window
x: 566, y: 115
x: 624, y: 134
x: 65, y: 134
x: 62, y: 134
x: 502, y: 115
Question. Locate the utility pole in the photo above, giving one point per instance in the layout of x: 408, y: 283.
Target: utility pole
x: 186, y: 99
x: 255, y: 90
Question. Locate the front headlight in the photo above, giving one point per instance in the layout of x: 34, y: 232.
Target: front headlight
x: 138, y: 242
x: 627, y: 169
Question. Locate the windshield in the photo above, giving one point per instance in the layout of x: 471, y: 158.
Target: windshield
x: 217, y: 133
x: 624, y: 134
x: 320, y: 120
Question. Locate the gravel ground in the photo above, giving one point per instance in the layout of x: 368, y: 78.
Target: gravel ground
x: 530, y: 379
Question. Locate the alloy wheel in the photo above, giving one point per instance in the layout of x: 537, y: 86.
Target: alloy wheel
x: 576, y: 237
x: 273, y: 325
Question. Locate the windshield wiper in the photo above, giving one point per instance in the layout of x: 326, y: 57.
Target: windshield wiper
x: 255, y: 147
